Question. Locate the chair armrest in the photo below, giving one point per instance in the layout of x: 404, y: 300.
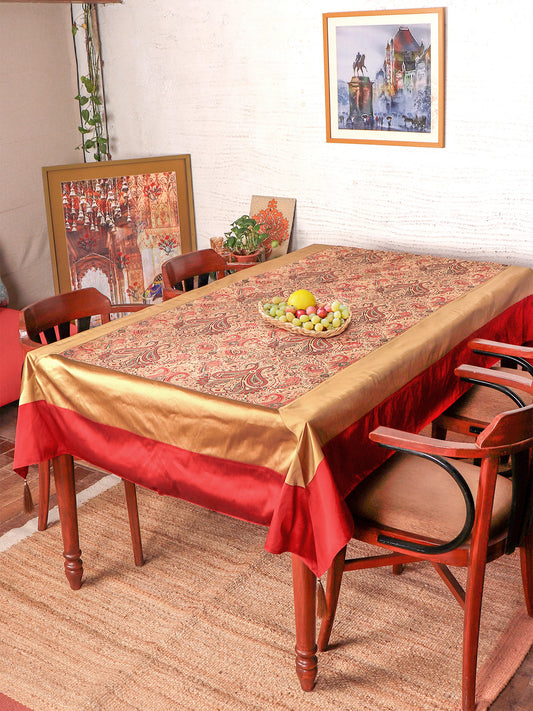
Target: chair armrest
x: 521, y: 355
x: 25, y: 341
x: 497, y: 348
x: 170, y: 293
x: 513, y: 381
x: 126, y: 308
x: 434, y: 451
x: 27, y: 344
x: 398, y: 439
x: 239, y: 266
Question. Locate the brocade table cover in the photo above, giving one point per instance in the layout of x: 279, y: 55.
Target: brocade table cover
x: 201, y: 399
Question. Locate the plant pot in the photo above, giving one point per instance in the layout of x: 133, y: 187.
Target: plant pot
x: 246, y: 258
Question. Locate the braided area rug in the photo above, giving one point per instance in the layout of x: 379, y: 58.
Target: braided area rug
x: 207, y: 623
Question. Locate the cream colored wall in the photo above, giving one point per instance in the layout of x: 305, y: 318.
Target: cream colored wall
x: 239, y: 85
x: 38, y: 127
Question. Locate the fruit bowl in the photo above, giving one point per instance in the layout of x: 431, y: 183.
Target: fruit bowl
x: 299, y: 330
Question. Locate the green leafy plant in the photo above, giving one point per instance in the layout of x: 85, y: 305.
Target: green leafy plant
x: 245, y: 235
x: 90, y: 97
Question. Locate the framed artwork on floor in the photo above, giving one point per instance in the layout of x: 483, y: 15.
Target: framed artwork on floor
x: 384, y: 77
x: 111, y: 224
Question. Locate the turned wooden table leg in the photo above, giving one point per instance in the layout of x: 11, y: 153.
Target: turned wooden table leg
x: 304, y: 587
x: 68, y: 516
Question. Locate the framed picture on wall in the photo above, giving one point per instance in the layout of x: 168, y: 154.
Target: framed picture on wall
x: 384, y: 76
x: 112, y: 224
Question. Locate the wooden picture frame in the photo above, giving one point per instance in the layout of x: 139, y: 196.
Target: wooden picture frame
x: 111, y: 224
x: 384, y: 77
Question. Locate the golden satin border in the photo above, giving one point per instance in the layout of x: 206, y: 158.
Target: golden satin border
x: 165, y: 413
x: 348, y: 395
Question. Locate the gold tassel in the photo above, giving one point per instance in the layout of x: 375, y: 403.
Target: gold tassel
x: 321, y: 606
x: 28, y: 501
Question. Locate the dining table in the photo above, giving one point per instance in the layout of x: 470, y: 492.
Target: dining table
x: 202, y: 399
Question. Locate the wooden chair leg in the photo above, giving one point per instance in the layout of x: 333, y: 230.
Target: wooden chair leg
x: 333, y: 587
x: 44, y: 494
x: 133, y: 516
x: 472, y: 615
x: 437, y: 431
x: 526, y: 567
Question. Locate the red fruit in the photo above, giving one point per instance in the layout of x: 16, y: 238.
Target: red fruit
x: 290, y: 309
x: 300, y: 312
x: 310, y: 310
x: 328, y: 308
x: 321, y: 311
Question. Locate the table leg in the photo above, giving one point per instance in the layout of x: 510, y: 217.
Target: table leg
x: 68, y: 516
x: 304, y: 588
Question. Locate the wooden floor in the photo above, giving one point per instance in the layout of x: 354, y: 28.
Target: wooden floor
x: 518, y: 696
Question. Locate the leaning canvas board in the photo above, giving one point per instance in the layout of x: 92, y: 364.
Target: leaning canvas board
x: 278, y: 214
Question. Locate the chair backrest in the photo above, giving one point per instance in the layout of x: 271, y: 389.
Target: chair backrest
x: 179, y: 272
x: 52, y: 317
x: 512, y: 433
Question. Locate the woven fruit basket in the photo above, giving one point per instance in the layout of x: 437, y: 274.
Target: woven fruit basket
x: 298, y: 329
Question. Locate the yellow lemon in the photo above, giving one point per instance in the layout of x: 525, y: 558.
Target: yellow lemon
x: 301, y: 299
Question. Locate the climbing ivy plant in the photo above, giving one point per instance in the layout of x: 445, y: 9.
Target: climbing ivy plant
x: 93, y: 128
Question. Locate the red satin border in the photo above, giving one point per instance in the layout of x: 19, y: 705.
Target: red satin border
x: 240, y: 490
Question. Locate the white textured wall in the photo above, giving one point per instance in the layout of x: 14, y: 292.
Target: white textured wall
x: 38, y: 127
x: 239, y: 85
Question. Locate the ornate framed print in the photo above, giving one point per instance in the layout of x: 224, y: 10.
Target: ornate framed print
x: 111, y: 224
x: 384, y: 76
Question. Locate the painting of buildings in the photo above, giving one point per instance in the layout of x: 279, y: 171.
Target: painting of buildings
x: 384, y: 77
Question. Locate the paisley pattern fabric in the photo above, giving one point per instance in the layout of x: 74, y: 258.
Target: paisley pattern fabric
x: 225, y: 349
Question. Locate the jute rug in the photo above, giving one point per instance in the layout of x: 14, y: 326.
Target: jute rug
x: 207, y: 623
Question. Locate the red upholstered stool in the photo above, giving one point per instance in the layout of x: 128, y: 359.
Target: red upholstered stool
x: 11, y: 356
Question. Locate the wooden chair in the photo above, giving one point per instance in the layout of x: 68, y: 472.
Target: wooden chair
x: 419, y: 506
x: 53, y: 319
x: 471, y: 413
x: 179, y: 272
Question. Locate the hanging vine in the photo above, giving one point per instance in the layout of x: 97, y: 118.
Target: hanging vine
x: 93, y: 128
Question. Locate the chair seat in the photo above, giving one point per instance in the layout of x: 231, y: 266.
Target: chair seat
x: 401, y: 495
x: 483, y: 403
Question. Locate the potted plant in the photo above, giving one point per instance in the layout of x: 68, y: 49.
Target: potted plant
x: 245, y: 238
